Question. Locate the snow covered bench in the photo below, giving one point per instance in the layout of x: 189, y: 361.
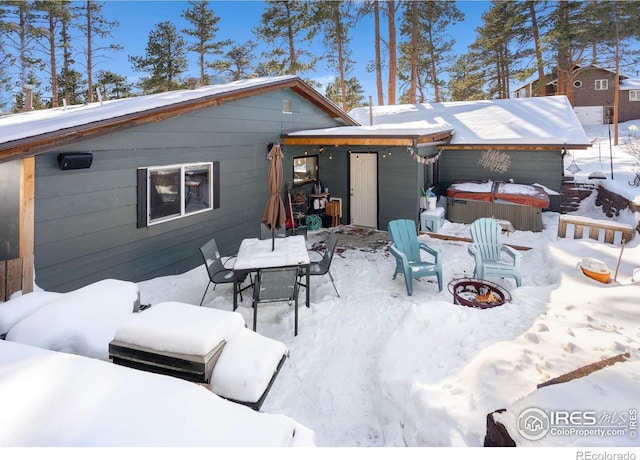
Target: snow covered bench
x: 52, y: 399
x: 81, y: 322
x: 202, y: 345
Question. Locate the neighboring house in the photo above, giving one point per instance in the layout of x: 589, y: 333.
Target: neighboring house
x: 170, y: 170
x: 592, y: 95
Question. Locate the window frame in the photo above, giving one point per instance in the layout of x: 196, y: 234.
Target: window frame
x: 636, y: 92
x: 316, y: 170
x: 144, y: 191
x: 603, y: 84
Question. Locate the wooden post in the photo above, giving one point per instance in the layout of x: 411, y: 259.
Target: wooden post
x: 27, y: 204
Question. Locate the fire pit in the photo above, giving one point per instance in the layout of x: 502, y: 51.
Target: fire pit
x: 477, y: 293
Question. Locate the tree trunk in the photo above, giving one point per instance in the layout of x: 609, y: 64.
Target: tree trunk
x: 52, y: 61
x: 434, y: 70
x: 564, y: 58
x: 338, y: 27
x: 616, y: 87
x: 391, y: 20
x: 66, y: 65
x: 376, y: 9
x: 293, y: 60
x: 414, y: 53
x: 542, y: 90
x: 89, y: 57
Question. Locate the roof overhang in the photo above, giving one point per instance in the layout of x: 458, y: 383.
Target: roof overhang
x: 41, y: 143
x: 368, y: 139
x: 526, y: 147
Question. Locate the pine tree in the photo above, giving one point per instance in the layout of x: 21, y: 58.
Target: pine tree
x: 378, y: 58
x: 67, y: 60
x: 114, y: 86
x: 354, y: 93
x: 205, y: 27
x: 37, y: 100
x: 501, y: 44
x: 391, y: 8
x: 335, y: 20
x: 237, y: 63
x: 53, y: 14
x: 72, y: 87
x: 466, y: 79
x: 19, y: 33
x: 165, y: 59
x: 429, y: 53
x: 285, y: 25
x: 94, y: 25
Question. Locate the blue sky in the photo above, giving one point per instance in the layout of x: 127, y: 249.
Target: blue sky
x: 237, y: 18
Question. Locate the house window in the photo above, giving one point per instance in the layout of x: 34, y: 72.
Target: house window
x: 634, y: 95
x: 305, y: 169
x: 602, y: 84
x: 578, y: 83
x: 171, y: 192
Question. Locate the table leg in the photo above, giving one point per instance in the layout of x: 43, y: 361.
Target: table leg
x: 235, y: 290
x: 308, y: 289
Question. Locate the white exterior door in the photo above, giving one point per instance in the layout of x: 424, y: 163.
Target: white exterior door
x: 364, y: 189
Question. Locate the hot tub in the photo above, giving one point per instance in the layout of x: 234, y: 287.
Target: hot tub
x: 520, y: 204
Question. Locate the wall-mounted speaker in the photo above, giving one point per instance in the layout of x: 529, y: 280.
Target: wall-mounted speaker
x: 75, y: 160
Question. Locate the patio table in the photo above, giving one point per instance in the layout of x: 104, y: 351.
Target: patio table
x: 255, y: 254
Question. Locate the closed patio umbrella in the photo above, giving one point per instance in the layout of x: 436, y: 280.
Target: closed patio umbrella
x: 274, y: 214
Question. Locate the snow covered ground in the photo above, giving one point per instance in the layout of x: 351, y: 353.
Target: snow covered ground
x: 378, y: 368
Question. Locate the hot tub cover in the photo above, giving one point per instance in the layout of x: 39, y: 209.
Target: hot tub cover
x: 523, y: 194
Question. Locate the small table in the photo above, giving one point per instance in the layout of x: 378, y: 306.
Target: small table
x: 255, y: 254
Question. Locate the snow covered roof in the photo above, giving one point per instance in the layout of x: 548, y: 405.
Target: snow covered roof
x: 21, y: 130
x: 630, y: 83
x: 536, y: 122
x: 408, y: 133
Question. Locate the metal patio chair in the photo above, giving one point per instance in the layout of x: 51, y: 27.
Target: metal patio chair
x: 218, y: 273
x: 323, y: 267
x: 276, y: 285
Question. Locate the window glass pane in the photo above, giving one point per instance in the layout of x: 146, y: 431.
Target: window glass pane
x: 164, y: 191
x: 197, y: 188
x: 305, y: 169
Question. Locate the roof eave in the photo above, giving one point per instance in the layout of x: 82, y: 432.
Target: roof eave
x: 389, y: 140
x: 515, y: 146
x: 41, y: 143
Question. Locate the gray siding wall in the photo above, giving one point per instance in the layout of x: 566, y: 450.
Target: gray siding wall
x: 85, y: 220
x: 399, y: 185
x: 542, y: 167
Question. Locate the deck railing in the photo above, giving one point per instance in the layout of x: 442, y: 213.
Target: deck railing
x: 607, y: 231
